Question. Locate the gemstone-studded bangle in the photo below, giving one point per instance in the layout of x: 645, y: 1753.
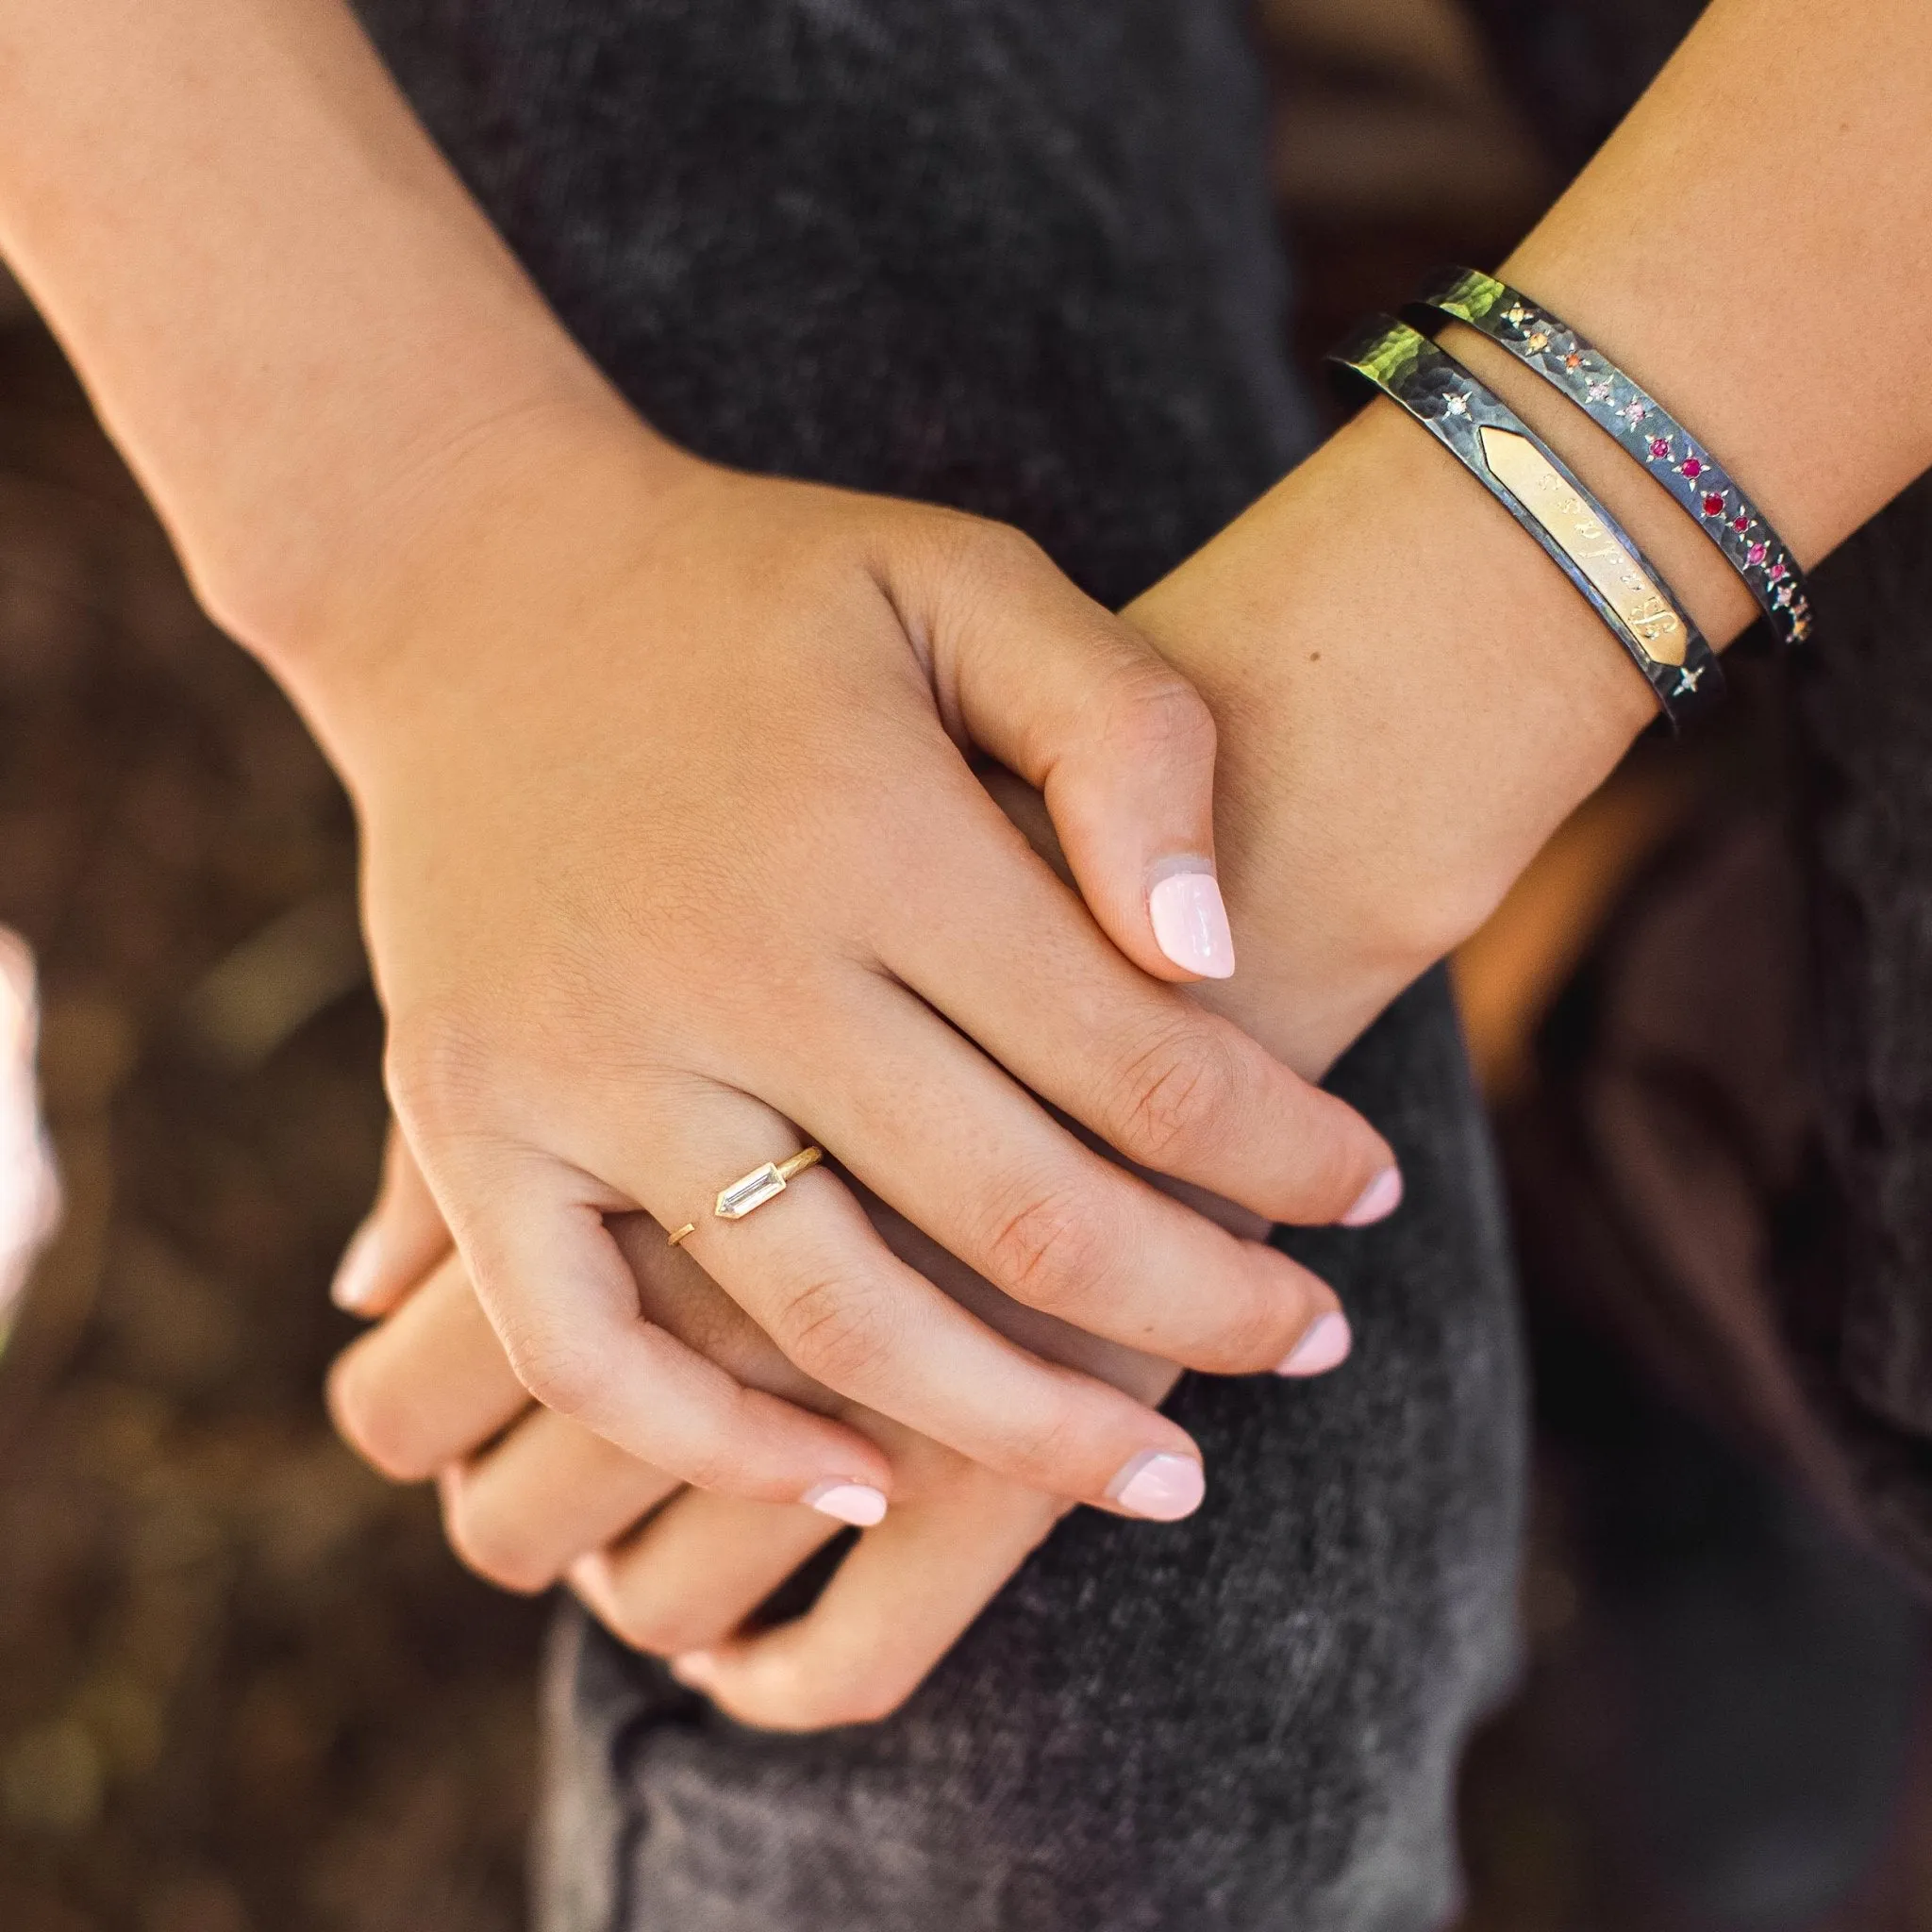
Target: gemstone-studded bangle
x: 1533, y: 484
x: 1644, y: 427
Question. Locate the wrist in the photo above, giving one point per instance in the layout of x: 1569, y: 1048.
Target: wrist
x: 1411, y: 699
x: 481, y: 529
x: 293, y: 546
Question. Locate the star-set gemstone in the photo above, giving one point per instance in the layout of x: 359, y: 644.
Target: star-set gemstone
x: 1757, y: 553
x: 1456, y: 405
x: 1598, y: 391
x: 1692, y: 468
x: 1660, y: 448
x: 1687, y: 679
x: 1517, y: 313
x: 1574, y: 359
x: 1740, y: 523
x: 1537, y: 341
x: 1714, y: 505
x: 1775, y: 571
x: 1633, y: 412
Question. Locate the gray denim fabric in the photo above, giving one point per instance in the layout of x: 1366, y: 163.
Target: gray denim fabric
x: 1018, y: 256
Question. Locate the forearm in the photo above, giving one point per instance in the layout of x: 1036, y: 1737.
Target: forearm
x: 280, y: 297
x: 1411, y: 696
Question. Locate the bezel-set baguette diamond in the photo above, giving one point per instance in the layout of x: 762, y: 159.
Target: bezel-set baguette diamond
x: 751, y: 1191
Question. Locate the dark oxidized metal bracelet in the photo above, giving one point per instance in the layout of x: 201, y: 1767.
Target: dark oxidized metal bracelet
x: 1535, y: 486
x: 1644, y: 427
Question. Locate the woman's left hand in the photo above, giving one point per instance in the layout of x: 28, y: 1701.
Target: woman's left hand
x: 530, y: 1497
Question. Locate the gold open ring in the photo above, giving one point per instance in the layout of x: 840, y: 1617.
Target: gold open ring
x: 755, y: 1189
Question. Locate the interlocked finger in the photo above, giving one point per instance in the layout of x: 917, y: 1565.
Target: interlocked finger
x: 551, y: 1276
x: 897, y: 1604
x: 429, y: 1385
x: 811, y: 1270
x: 948, y: 1140
x: 1169, y: 1085
x: 693, y: 1574
x: 526, y: 1508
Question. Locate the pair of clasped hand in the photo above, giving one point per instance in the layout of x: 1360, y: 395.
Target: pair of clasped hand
x: 718, y: 848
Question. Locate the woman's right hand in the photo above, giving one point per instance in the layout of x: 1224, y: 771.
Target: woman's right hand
x: 675, y: 859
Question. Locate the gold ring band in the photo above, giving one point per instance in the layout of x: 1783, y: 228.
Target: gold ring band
x: 755, y: 1189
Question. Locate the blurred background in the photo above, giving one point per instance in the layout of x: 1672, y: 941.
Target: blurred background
x: 241, y: 1684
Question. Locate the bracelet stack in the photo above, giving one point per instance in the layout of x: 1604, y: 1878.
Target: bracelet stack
x: 1538, y: 489
x: 1644, y: 427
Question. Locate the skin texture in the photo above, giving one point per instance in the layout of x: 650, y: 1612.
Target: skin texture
x: 1408, y: 698
x: 711, y: 943
x: 674, y: 856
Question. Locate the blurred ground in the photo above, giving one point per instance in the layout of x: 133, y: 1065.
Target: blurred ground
x: 242, y: 1684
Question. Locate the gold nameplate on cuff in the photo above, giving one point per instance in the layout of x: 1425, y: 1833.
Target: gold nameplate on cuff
x: 1580, y: 533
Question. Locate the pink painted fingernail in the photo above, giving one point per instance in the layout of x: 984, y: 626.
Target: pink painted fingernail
x: 1324, y: 1347
x: 854, y: 1503
x: 697, y: 1668
x: 1159, y: 1485
x: 356, y: 1277
x: 1190, y: 923
x: 1377, y: 1201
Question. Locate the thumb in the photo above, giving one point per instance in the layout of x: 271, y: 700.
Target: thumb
x: 393, y: 1251
x: 1120, y: 745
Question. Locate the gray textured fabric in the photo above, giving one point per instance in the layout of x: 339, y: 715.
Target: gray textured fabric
x: 1018, y: 256
x: 1864, y: 704
x: 1013, y: 255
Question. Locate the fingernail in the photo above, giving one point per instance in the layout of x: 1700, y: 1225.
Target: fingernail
x: 855, y: 1502
x: 1324, y: 1347
x: 1377, y: 1201
x: 1190, y: 923
x: 356, y: 1276
x: 697, y: 1668
x: 1160, y: 1486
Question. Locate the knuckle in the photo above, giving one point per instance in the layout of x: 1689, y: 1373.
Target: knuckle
x: 1043, y: 1450
x: 1175, y: 1098
x: 1257, y: 1331
x: 1335, y: 1174
x: 1048, y: 1248
x: 434, y: 1066
x: 970, y: 553
x: 558, y: 1374
x: 1252, y: 1319
x: 379, y: 1426
x: 1155, y: 716
x: 798, y: 1696
x: 833, y: 1329
x: 995, y: 549
x: 709, y: 1465
x: 1326, y: 1160
x: 869, y: 1698
x: 489, y: 1544
x: 646, y: 1621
